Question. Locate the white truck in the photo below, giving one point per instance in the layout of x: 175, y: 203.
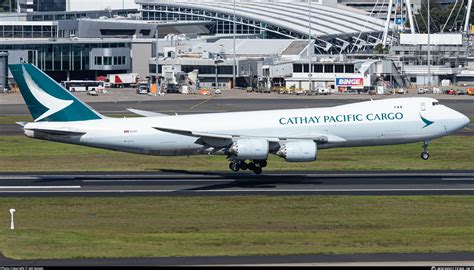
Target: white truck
x: 122, y: 80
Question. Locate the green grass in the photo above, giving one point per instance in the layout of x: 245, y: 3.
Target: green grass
x: 235, y: 225
x: 12, y: 119
x: 22, y: 154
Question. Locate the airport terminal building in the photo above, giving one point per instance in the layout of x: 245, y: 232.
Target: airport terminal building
x: 273, y: 39
x: 86, y: 48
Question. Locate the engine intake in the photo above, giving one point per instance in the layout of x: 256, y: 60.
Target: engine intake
x: 304, y: 151
x: 255, y: 149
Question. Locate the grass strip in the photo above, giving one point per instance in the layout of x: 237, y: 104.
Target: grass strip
x: 235, y: 225
x: 22, y: 154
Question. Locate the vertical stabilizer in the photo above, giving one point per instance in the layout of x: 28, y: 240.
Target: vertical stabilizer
x: 46, y: 99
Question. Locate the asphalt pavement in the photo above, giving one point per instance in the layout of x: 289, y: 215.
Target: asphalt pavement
x: 185, y: 183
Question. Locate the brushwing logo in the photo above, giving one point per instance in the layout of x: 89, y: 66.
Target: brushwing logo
x: 426, y: 121
x: 53, y: 104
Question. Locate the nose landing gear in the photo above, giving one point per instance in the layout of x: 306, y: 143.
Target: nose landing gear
x: 255, y: 165
x: 425, y: 154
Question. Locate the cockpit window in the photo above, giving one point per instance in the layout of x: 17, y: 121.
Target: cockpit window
x: 435, y: 103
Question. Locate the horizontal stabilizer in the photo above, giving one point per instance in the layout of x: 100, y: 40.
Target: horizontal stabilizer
x: 21, y: 123
x: 146, y: 113
x: 64, y: 132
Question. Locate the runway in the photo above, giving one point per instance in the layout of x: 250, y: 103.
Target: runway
x: 184, y: 183
x: 222, y: 104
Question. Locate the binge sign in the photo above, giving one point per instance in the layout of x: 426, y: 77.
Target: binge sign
x: 350, y: 82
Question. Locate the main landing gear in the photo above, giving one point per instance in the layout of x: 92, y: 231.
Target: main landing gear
x: 425, y: 154
x: 254, y: 165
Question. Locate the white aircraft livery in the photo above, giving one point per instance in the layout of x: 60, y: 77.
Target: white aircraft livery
x: 245, y: 138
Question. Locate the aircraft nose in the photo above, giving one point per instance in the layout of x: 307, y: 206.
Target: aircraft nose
x: 464, y: 120
x: 460, y: 121
x: 455, y: 121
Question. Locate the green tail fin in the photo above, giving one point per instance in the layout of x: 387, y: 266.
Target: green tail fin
x: 46, y: 99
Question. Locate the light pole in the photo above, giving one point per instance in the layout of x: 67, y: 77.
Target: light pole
x: 217, y: 61
x: 310, y: 51
x: 235, y: 61
x: 156, y: 59
x: 429, y: 51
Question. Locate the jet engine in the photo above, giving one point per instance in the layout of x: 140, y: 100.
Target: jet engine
x: 303, y: 151
x: 255, y: 149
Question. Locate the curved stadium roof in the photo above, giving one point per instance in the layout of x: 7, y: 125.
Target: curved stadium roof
x: 287, y: 18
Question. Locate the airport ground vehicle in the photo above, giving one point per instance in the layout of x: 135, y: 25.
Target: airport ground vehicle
x: 83, y: 85
x: 322, y: 91
x: 295, y: 135
x: 422, y: 90
x: 205, y: 92
x: 92, y: 92
x: 142, y: 89
x: 401, y: 91
x: 470, y: 91
x: 456, y: 92
x: 461, y: 92
x: 122, y: 80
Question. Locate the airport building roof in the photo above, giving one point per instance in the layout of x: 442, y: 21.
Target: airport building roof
x: 332, y: 24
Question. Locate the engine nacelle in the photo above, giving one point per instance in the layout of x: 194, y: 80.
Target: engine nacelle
x: 255, y: 149
x: 303, y: 151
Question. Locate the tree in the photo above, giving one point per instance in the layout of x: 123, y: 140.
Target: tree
x: 379, y: 48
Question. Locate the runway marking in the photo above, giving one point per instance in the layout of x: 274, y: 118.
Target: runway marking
x: 457, y: 179
x: 200, y: 103
x: 156, y: 180
x: 17, y: 177
x: 40, y: 187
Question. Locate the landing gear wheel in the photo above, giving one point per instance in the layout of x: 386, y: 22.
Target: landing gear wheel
x: 234, y: 166
x: 262, y: 163
x: 251, y: 166
x: 425, y: 155
x: 243, y: 166
x: 257, y: 170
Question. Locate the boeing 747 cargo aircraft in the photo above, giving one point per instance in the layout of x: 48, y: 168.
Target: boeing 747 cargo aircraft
x: 245, y: 138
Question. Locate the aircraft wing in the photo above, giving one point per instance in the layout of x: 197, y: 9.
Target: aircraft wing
x: 220, y: 140
x: 146, y: 113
